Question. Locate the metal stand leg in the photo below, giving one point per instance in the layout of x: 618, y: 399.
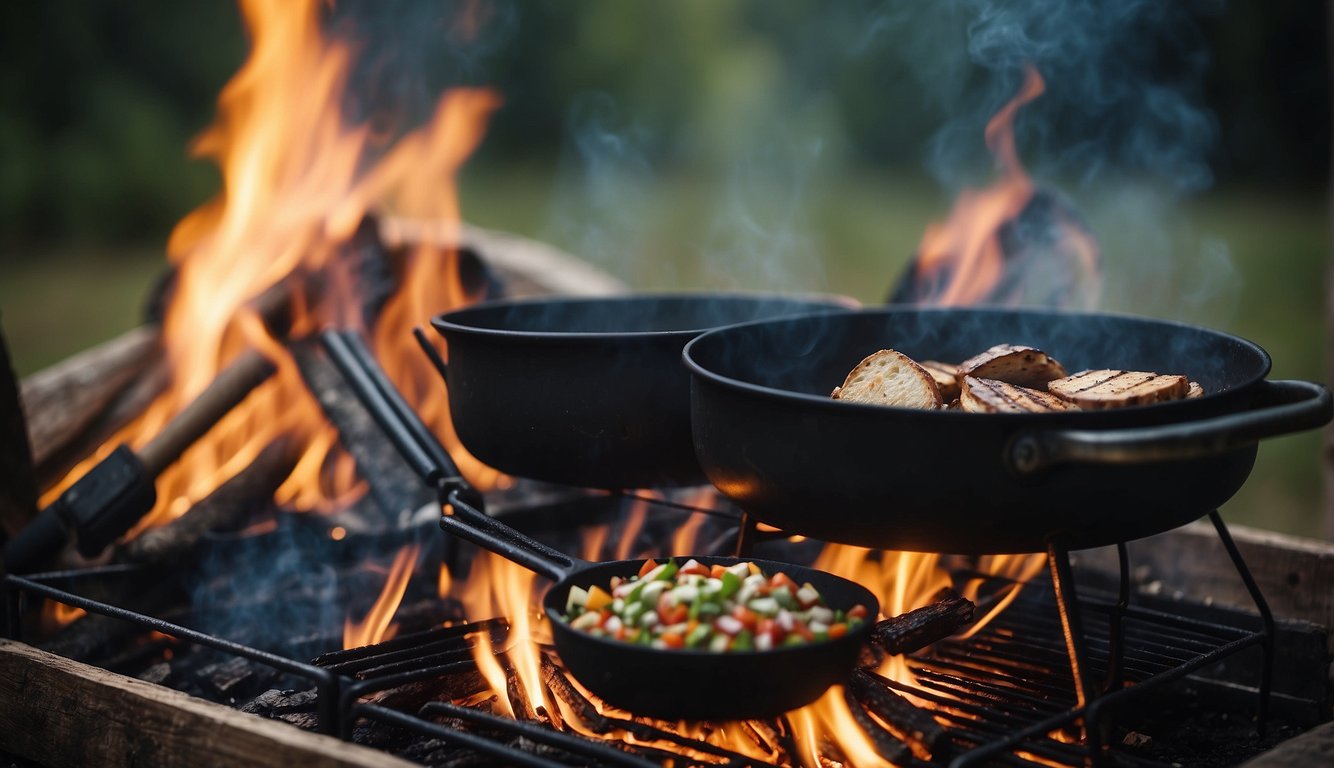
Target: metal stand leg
x: 1072, y: 626
x: 1266, y: 618
x: 745, y: 536
x: 1115, y: 628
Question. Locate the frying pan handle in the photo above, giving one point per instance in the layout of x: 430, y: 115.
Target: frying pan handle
x: 467, y: 522
x: 1286, y: 407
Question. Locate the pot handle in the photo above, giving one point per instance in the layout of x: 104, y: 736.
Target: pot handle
x: 462, y: 519
x: 1286, y: 407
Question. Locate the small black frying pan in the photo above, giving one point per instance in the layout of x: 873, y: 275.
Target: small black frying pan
x: 675, y: 684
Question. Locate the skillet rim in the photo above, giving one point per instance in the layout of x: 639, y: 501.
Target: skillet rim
x: 819, y: 302
x: 818, y: 401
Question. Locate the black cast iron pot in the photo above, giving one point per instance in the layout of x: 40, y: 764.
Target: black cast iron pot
x: 588, y: 392
x: 768, y: 435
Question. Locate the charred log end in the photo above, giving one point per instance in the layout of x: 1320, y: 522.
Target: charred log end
x: 912, y: 631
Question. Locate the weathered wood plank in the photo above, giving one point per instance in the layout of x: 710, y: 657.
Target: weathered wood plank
x: 1313, y: 749
x: 59, y: 712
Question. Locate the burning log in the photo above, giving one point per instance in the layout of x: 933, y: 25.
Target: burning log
x: 393, y: 485
x: 918, y: 628
x: 230, y: 507
x: 884, y: 742
x: 561, y: 687
x: 913, y: 726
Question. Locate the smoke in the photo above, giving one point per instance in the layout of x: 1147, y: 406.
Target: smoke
x: 1125, y: 85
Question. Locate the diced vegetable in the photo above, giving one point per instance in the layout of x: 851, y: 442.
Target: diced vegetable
x: 708, y: 608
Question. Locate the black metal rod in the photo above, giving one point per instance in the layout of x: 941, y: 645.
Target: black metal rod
x: 356, y: 375
x: 432, y: 354
x: 394, y: 399
x: 506, y: 754
x: 577, y: 745
x: 1115, y: 627
x: 1266, y: 617
x: 321, y: 678
x: 1072, y: 623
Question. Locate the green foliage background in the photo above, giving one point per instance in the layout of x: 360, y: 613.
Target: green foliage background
x: 683, y: 144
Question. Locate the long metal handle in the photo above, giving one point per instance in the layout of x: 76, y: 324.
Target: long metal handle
x: 1287, y: 407
x: 465, y: 521
x: 461, y: 505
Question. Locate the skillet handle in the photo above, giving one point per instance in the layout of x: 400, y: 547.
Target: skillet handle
x: 462, y: 519
x: 1286, y: 407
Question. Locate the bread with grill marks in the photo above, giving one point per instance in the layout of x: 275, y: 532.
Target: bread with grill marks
x: 889, y: 378
x: 991, y: 396
x: 1106, y: 388
x: 1013, y: 364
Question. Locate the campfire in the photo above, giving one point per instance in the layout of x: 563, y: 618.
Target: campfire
x: 225, y: 514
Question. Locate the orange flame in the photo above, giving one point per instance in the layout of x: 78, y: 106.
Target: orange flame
x: 497, y: 587
x: 962, y: 260
x: 298, y: 179
x: 375, y: 626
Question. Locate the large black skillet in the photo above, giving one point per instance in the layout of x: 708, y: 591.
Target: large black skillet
x: 683, y: 684
x: 769, y: 437
x: 591, y: 391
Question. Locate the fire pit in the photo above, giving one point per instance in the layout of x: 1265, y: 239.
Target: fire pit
x: 241, y: 568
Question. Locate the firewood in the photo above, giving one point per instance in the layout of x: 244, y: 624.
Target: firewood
x: 64, y: 400
x: 396, y: 489
x: 886, y: 745
x: 123, y: 409
x: 230, y: 507
x: 918, y: 628
x: 913, y: 726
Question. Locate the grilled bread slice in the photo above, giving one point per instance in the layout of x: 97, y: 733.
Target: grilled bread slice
x: 946, y: 376
x: 1022, y: 366
x: 991, y: 396
x: 890, y: 378
x: 1115, y: 389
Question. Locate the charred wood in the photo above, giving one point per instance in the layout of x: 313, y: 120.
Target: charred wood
x: 913, y: 726
x: 393, y: 485
x: 229, y: 508
x: 918, y: 628
x: 886, y: 745
x: 561, y: 687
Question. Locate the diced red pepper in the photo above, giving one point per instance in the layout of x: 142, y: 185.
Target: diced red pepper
x: 800, y: 629
x: 672, y: 614
x: 646, y: 567
x: 857, y: 611
x: 695, y: 567
x: 770, y: 627
x: 781, y: 579
x: 837, y: 630
x: 674, y: 640
x: 717, y: 572
x: 748, y: 618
